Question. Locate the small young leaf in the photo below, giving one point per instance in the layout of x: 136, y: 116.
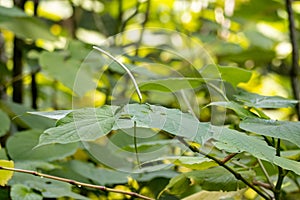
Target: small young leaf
x: 197, y: 163
x: 5, y: 175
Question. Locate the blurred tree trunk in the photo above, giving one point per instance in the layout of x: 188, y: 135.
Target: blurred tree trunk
x: 17, y: 63
x: 294, y: 73
x: 34, y: 87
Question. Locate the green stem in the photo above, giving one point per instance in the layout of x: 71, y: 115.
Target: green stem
x: 135, y: 145
x: 125, y: 68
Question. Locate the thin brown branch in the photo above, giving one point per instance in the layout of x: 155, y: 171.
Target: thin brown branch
x: 262, y: 184
x: 77, y: 183
x: 294, y: 73
x: 229, y: 157
x: 237, y: 175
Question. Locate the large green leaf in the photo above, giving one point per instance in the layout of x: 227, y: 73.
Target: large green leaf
x: 81, y: 125
x: 89, y: 124
x: 22, y: 25
x: 242, y: 142
x: 216, y: 178
x: 5, y: 123
x: 21, y: 145
x: 286, y: 130
x: 259, y: 101
x: 170, y: 120
x: 251, y: 144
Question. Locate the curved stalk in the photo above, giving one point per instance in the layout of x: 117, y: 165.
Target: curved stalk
x: 125, y: 68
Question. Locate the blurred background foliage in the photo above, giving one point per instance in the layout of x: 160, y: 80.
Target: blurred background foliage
x: 56, y: 36
x: 44, y: 43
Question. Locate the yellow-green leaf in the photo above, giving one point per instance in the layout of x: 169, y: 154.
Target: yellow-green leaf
x: 5, y: 175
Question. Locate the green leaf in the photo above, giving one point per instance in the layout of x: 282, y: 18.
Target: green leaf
x: 171, y: 84
x: 81, y: 125
x: 291, y: 154
x: 22, y: 192
x: 258, y: 148
x: 24, y: 26
x: 216, y: 178
x: 5, y: 123
x: 243, y: 142
x: 198, y: 163
x: 12, y: 12
x: 56, y: 65
x: 259, y: 101
x: 242, y: 112
x: 233, y: 75
x: 89, y: 124
x: 150, y: 146
x: 287, y: 164
x: 178, y: 184
x: 170, y: 120
x: 98, y: 175
x: 106, y: 176
x: 216, y: 195
x: 286, y: 130
x: 19, y: 115
x: 21, y: 145
x: 81, y: 66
